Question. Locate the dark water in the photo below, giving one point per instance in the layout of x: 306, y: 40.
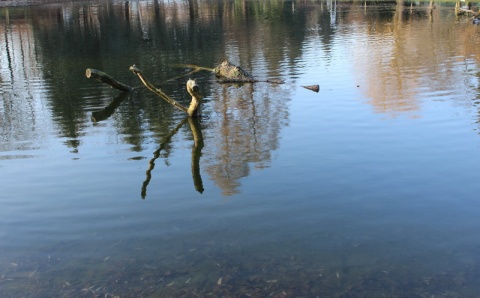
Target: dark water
x: 368, y: 188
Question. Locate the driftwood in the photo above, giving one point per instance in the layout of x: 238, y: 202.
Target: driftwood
x: 155, y: 90
x: 192, y: 88
x: 228, y: 73
x: 105, y: 78
x: 224, y: 72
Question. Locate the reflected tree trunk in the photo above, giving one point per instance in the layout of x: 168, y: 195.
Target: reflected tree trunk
x: 431, y: 8
x: 192, y: 9
x: 127, y: 12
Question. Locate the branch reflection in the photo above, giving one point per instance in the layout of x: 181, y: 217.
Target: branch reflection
x: 196, y: 153
x: 108, y: 111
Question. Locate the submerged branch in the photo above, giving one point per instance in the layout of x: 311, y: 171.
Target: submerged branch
x: 196, y: 68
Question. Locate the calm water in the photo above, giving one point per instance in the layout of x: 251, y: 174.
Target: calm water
x: 368, y: 188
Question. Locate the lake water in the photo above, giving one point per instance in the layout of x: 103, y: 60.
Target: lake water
x: 368, y: 188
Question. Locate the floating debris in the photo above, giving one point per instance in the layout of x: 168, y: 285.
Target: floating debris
x: 314, y: 88
x: 219, y: 282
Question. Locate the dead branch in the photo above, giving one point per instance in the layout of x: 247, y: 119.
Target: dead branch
x: 194, y: 90
x: 155, y: 90
x: 105, y: 78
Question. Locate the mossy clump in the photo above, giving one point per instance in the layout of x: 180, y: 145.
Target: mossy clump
x: 229, y: 72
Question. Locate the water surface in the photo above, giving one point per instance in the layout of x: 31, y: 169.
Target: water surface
x: 366, y: 188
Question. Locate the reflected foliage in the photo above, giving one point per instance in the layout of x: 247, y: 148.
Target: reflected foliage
x: 47, y: 48
x: 65, y: 39
x: 278, y: 246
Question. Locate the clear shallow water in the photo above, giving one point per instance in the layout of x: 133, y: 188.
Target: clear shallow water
x: 367, y: 188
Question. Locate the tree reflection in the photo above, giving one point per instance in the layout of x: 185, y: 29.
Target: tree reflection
x: 25, y: 120
x: 47, y: 47
x: 246, y: 132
